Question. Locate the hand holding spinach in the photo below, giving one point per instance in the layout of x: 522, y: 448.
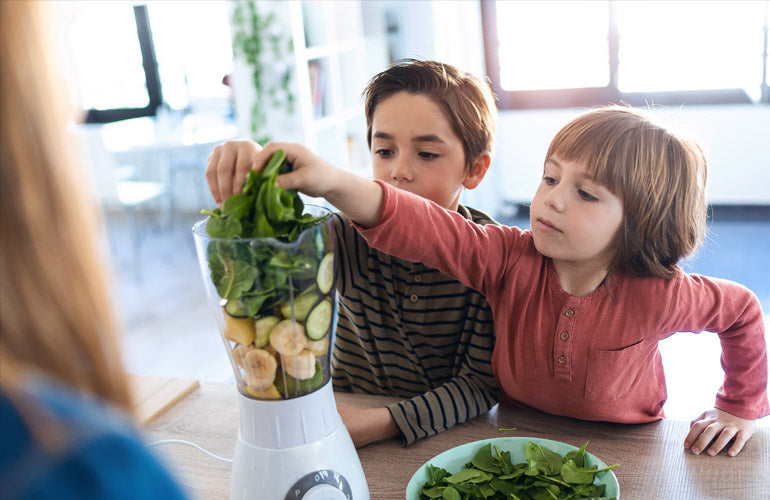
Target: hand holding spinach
x: 258, y: 278
x: 262, y: 209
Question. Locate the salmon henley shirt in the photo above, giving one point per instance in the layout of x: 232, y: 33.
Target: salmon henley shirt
x: 595, y: 357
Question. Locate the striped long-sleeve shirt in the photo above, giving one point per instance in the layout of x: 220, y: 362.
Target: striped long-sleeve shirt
x: 407, y: 330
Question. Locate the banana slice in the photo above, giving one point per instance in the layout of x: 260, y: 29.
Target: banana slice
x: 272, y: 351
x: 257, y: 383
x: 301, y: 366
x: 239, y: 352
x: 319, y: 347
x: 288, y: 338
x: 261, y: 365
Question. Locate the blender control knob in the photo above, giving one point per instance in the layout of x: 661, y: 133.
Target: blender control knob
x: 322, y: 484
x: 324, y: 492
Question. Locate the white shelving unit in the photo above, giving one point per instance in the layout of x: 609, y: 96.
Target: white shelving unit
x: 338, y: 46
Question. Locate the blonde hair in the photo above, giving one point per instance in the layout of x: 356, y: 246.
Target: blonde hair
x: 659, y: 175
x: 467, y: 102
x: 56, y: 317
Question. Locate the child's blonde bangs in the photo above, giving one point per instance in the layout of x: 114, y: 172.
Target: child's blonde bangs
x: 597, y: 140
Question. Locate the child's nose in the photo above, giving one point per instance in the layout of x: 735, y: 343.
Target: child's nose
x: 555, y: 198
x: 402, y: 169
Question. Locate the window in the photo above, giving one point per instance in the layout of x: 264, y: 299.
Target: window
x: 114, y: 62
x: 566, y: 53
x: 131, y: 59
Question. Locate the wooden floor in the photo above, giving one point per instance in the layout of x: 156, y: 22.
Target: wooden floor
x: 169, y: 328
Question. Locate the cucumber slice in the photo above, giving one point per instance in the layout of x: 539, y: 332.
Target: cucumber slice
x: 303, y: 303
x: 319, y: 320
x: 236, y: 308
x: 325, y: 276
x: 263, y: 328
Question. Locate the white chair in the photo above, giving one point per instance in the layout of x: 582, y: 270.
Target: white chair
x: 115, y: 187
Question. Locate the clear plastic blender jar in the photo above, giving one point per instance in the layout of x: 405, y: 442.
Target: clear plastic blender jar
x: 275, y: 305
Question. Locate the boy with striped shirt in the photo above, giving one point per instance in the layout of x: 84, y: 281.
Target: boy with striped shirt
x: 405, y: 329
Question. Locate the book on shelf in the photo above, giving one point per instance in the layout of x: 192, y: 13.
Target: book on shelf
x: 317, y: 77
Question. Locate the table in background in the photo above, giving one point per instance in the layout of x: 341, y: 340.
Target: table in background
x: 653, y: 462
x: 169, y: 148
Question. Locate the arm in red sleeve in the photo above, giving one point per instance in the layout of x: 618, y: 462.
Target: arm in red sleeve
x: 419, y: 230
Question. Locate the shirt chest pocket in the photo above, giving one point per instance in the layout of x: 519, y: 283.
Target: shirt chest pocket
x: 613, y: 373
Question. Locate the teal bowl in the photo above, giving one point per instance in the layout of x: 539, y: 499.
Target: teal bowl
x: 454, y: 460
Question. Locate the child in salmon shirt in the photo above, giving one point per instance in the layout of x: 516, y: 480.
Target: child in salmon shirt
x: 404, y: 329
x: 582, y: 300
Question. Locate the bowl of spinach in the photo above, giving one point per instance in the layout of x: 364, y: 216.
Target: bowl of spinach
x: 514, y: 467
x: 268, y: 266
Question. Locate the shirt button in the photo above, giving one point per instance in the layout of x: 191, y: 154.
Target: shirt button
x: 564, y: 335
x: 418, y: 278
x: 569, y: 313
x: 414, y: 298
x: 562, y: 359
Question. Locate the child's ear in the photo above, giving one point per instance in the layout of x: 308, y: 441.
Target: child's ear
x: 478, y: 171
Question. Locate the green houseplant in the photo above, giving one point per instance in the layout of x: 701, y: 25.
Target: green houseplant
x: 262, y: 42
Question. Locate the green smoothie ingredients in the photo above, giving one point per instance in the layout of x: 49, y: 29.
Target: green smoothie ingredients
x: 273, y: 267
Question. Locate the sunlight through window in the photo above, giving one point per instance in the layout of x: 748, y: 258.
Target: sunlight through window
x: 107, y: 57
x: 550, y: 45
x: 592, y: 52
x: 685, y: 45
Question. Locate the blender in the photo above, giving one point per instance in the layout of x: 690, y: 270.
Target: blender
x: 276, y: 307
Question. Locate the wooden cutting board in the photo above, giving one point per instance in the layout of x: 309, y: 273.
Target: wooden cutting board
x: 154, y: 395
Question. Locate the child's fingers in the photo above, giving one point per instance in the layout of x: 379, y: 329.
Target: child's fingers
x: 225, y: 171
x: 722, y: 440
x: 697, y: 427
x: 704, y: 438
x: 244, y: 162
x: 211, y: 174
x: 741, y: 438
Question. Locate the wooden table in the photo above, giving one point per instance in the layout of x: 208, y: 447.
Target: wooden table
x: 653, y: 461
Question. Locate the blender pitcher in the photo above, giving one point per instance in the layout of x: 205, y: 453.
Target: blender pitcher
x: 276, y: 308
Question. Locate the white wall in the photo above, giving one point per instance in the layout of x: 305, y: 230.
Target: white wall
x: 736, y: 138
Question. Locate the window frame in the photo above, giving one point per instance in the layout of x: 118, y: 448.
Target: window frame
x: 151, y: 77
x: 593, y: 96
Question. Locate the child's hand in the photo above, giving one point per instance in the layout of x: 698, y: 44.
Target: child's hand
x: 230, y: 162
x: 720, y: 427
x: 227, y: 167
x: 367, y: 425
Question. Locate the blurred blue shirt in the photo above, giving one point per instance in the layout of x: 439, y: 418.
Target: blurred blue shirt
x: 57, y: 444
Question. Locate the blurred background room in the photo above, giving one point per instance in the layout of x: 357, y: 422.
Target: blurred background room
x: 160, y: 83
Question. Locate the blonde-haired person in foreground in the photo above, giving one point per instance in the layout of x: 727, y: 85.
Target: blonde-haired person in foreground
x: 65, y: 427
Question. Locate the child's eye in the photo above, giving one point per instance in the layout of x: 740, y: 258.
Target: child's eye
x: 385, y: 153
x: 427, y: 156
x: 587, y: 196
x: 549, y: 180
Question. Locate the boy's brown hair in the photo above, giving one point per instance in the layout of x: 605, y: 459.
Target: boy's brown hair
x: 467, y: 102
x: 659, y: 175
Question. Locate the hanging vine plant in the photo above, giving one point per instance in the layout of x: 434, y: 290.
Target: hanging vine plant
x: 266, y: 48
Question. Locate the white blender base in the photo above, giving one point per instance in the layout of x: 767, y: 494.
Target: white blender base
x: 320, y: 462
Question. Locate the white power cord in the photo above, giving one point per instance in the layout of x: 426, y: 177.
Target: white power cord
x: 189, y: 443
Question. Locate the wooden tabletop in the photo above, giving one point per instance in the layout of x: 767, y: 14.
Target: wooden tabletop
x: 653, y: 461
